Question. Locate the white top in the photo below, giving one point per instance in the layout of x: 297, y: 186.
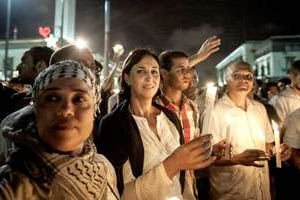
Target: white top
x: 286, y: 103
x: 154, y: 183
x: 248, y: 129
x: 292, y: 131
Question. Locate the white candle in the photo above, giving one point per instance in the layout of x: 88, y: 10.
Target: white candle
x: 277, y: 143
x: 228, y: 138
x: 210, y: 97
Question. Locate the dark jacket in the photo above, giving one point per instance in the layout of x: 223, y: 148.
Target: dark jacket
x: 118, y: 138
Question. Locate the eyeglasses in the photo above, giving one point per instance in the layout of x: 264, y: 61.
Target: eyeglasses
x: 247, y: 77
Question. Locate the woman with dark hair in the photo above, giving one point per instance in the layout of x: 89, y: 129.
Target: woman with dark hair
x: 143, y: 140
x: 54, y: 156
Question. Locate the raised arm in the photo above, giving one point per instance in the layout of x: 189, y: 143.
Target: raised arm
x: 210, y: 46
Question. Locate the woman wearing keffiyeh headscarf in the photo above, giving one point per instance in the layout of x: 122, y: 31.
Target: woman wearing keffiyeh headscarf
x: 53, y: 156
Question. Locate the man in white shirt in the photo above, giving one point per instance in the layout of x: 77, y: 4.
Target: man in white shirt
x: 289, y: 184
x: 244, y: 124
x: 289, y: 99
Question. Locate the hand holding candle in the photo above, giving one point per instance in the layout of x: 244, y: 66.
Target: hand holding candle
x: 277, y: 143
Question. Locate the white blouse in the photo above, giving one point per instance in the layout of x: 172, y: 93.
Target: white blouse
x: 154, y: 182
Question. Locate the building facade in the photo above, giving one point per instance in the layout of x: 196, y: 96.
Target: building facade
x: 270, y: 58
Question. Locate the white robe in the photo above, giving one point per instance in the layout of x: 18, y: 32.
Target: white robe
x: 247, y: 130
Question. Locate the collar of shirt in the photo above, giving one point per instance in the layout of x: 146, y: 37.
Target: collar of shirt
x: 171, y: 105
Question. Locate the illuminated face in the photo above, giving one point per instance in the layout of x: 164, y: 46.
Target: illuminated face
x: 144, y: 78
x: 65, y: 114
x: 272, y: 91
x: 179, y: 76
x: 241, y: 81
x: 192, y: 88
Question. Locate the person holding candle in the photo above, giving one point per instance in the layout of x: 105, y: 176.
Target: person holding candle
x: 288, y: 100
x: 289, y: 176
x: 245, y: 174
x: 147, y: 146
x: 292, y: 136
x: 177, y: 76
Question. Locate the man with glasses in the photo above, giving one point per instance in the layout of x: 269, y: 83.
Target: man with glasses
x: 244, y: 124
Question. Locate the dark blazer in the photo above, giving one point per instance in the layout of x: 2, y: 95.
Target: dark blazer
x: 118, y: 139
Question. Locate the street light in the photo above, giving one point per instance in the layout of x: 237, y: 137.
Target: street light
x: 6, y: 63
x: 81, y: 43
x: 106, y: 36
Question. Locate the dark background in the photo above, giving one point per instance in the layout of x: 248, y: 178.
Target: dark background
x: 164, y: 24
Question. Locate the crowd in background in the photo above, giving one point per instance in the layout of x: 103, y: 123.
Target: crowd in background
x: 66, y: 134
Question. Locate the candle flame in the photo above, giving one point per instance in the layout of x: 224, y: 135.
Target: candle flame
x: 210, y: 84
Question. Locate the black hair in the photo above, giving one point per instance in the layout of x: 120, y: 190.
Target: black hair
x: 133, y: 58
x: 40, y: 53
x: 166, y: 58
x: 67, y: 52
x: 295, y: 66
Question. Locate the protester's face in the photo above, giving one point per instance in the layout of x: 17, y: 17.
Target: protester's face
x: 192, y: 88
x: 179, y: 76
x: 65, y: 114
x: 144, y: 78
x: 272, y: 91
x: 241, y: 81
x: 26, y: 69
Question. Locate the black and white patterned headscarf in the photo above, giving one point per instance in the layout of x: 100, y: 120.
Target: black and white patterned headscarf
x: 65, y: 69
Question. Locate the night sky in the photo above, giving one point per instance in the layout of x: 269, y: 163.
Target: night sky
x: 165, y: 24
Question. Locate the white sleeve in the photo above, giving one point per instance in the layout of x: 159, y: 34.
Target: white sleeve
x: 151, y: 185
x: 292, y: 132
x: 218, y: 128
x: 279, y: 107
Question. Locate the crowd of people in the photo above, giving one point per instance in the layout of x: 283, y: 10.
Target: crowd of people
x: 59, y: 139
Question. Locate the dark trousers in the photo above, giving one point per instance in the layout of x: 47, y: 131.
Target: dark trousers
x: 286, y: 181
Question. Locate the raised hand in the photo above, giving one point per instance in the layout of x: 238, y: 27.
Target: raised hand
x: 209, y: 46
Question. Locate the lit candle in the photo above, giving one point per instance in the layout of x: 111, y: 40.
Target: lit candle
x: 210, y: 97
x: 228, y: 138
x: 277, y: 143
